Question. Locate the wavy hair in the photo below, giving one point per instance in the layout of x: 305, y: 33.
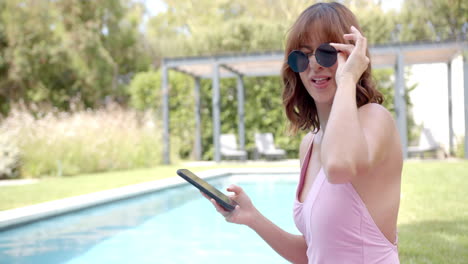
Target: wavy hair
x: 327, y: 22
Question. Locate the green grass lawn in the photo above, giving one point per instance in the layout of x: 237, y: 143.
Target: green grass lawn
x: 433, y: 220
x: 48, y: 189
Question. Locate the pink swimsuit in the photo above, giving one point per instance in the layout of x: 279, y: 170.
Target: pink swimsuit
x: 337, y: 226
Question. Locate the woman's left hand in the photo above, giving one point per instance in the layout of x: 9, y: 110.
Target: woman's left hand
x: 352, y: 59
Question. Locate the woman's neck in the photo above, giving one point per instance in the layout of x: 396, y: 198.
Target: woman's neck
x: 323, y: 112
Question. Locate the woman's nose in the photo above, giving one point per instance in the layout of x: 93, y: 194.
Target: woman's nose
x: 313, y: 64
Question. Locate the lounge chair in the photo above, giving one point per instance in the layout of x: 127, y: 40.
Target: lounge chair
x: 229, y: 149
x: 427, y: 144
x: 265, y: 147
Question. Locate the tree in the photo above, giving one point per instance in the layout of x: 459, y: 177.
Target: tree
x: 244, y: 26
x: 32, y: 52
x: 101, y: 44
x: 56, y: 52
x: 4, y: 82
x: 433, y: 20
x: 221, y: 26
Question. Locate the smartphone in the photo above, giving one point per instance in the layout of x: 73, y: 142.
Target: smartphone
x: 208, y: 189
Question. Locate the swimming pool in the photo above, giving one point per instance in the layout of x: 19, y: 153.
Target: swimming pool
x: 175, y: 225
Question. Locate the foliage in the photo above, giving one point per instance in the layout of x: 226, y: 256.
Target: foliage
x: 460, y: 148
x: 221, y: 26
x: 182, y: 109
x: 10, y: 159
x: 263, y: 112
x: 144, y: 90
x: 377, y: 25
x: 145, y: 93
x: 242, y: 27
x: 59, y: 52
x: 439, y: 20
x: 63, y: 144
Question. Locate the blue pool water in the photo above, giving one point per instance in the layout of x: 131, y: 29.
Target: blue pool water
x: 175, y: 225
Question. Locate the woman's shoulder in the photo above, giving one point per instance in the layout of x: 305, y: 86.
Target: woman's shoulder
x: 380, y: 129
x: 306, y: 140
x: 377, y: 113
x: 374, y: 107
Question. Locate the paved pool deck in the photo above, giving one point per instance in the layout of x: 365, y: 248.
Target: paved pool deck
x: 28, y: 214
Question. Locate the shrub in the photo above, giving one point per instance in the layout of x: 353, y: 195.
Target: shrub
x: 145, y: 93
x: 460, y: 148
x: 9, y: 159
x: 61, y: 144
x: 144, y: 90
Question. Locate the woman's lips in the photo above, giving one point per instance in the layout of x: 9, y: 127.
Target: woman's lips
x: 320, y: 82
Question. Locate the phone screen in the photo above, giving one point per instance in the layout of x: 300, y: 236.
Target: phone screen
x: 207, y: 188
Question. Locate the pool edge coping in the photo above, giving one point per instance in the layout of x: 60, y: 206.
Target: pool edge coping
x: 27, y: 214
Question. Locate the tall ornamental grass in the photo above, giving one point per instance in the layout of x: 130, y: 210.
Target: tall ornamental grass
x: 64, y: 144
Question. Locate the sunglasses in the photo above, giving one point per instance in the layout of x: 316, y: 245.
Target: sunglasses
x: 325, y: 55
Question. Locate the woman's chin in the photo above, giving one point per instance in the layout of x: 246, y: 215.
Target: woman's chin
x: 323, y: 99
x: 324, y: 102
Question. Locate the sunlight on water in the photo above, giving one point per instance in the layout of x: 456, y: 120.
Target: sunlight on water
x: 171, y: 226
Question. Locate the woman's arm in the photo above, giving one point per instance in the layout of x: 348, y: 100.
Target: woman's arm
x: 355, y: 139
x: 289, y: 246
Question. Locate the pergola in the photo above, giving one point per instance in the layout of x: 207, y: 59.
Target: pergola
x: 269, y: 64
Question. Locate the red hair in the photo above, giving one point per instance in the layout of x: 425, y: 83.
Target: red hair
x: 327, y: 22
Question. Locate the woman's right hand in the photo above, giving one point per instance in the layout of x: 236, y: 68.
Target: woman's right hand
x: 244, y: 213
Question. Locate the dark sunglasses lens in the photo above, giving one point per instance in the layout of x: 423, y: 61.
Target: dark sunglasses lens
x: 298, y: 61
x: 326, y: 55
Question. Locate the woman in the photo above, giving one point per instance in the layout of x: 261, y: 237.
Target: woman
x: 348, y: 197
